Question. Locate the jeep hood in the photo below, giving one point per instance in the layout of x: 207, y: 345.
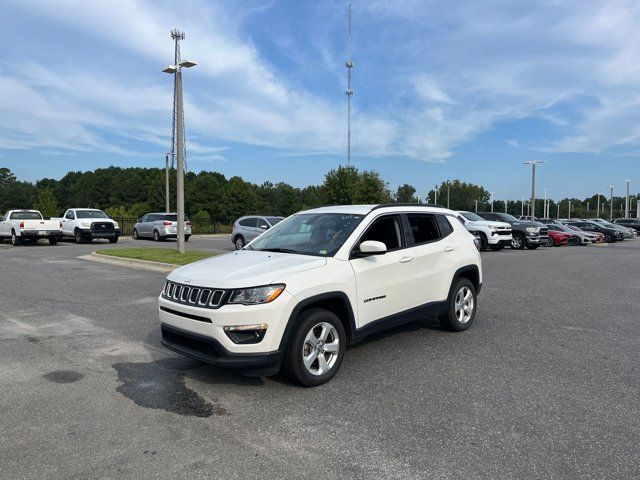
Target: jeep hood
x: 244, y: 268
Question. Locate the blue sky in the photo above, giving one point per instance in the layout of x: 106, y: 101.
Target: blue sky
x: 465, y: 90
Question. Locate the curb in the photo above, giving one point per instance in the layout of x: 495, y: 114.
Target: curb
x: 130, y: 263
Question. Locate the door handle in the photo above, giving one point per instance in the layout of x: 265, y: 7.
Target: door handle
x: 406, y: 259
x: 449, y: 249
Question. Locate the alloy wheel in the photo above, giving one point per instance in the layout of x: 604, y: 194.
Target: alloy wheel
x: 320, y: 348
x: 516, y: 242
x: 464, y: 305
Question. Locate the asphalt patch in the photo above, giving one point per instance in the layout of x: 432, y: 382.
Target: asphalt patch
x: 63, y: 376
x: 160, y: 385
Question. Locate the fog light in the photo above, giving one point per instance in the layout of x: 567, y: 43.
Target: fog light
x: 246, y: 333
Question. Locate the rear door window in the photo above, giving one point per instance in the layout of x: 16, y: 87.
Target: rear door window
x: 249, y: 222
x: 424, y: 228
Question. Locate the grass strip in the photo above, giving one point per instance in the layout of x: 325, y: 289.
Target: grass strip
x: 164, y: 255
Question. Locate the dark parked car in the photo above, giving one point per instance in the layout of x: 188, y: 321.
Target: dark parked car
x: 525, y: 233
x: 629, y: 223
x: 610, y: 235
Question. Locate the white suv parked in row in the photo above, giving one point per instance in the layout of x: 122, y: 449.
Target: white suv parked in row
x: 493, y: 235
x: 318, y: 281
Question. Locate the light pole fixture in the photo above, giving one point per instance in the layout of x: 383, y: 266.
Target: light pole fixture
x: 611, y: 187
x: 533, y: 164
x: 176, y: 70
x: 626, y: 209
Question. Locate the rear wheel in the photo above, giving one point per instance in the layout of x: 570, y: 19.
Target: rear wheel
x: 156, y: 236
x: 239, y: 242
x: 15, y: 240
x: 53, y: 241
x: 461, y: 308
x: 518, y: 242
x: 317, y: 347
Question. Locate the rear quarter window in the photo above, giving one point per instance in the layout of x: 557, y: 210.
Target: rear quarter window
x: 445, y: 226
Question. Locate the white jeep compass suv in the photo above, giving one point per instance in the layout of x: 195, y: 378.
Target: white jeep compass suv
x: 318, y: 281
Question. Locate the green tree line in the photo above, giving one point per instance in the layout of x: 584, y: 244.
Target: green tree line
x: 132, y: 192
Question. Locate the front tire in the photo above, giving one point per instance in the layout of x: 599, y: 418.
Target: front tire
x: 113, y: 240
x: 316, y: 348
x: 484, y: 243
x: 239, y: 242
x: 135, y: 234
x: 575, y: 241
x: 461, y: 308
x: 518, y: 242
x: 78, y: 236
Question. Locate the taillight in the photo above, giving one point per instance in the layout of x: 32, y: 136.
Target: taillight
x: 21, y: 224
x: 168, y: 224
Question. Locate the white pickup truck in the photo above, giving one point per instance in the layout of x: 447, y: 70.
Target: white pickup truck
x: 493, y: 235
x: 86, y: 224
x: 28, y: 225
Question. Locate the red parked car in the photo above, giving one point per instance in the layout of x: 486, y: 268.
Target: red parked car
x: 559, y: 238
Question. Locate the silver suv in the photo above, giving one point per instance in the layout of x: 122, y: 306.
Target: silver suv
x: 160, y: 226
x: 245, y: 229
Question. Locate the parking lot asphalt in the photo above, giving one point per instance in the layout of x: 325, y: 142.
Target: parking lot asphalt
x: 545, y: 384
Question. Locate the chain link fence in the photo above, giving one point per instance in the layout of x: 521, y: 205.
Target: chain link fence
x: 200, y: 226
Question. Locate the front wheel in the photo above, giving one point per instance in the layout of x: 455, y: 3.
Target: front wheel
x: 78, y: 236
x: 484, y: 243
x: 575, y: 241
x: 461, y: 308
x: 316, y: 349
x: 518, y: 242
x: 239, y: 242
x: 135, y: 234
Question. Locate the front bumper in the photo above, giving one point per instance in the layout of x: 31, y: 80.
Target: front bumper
x: 209, y: 350
x: 537, y: 239
x: 497, y: 239
x: 93, y: 233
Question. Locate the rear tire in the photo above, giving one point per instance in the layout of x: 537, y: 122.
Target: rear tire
x: 53, y: 241
x: 239, y: 242
x: 156, y: 236
x: 461, y: 307
x: 15, y: 240
x: 316, y: 348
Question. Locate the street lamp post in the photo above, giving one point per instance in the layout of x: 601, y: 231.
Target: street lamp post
x: 476, y: 206
x: 522, y: 207
x: 598, y: 208
x: 491, y: 202
x: 626, y: 209
x: 435, y: 195
x: 177, y: 71
x: 506, y: 205
x: 558, y: 215
x: 611, y: 187
x: 587, y: 209
x: 448, y: 192
x: 167, y: 194
x: 569, y: 213
x: 533, y: 164
x: 544, y: 205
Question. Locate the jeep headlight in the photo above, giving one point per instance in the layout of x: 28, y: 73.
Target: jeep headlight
x: 256, y: 295
x: 533, y: 229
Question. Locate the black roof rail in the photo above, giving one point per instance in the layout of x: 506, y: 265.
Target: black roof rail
x: 387, y: 205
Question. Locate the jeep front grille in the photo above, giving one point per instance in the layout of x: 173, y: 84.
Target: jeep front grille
x: 195, y: 296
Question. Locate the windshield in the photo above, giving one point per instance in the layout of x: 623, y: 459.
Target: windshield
x: 91, y: 214
x: 274, y: 220
x: 26, y: 216
x: 507, y: 218
x: 320, y: 234
x: 472, y: 217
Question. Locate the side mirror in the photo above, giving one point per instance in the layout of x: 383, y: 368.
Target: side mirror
x: 264, y: 227
x: 372, y: 247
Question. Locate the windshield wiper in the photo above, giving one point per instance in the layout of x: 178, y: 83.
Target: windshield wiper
x: 277, y: 250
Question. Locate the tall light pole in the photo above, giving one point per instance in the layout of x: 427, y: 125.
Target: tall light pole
x: 476, y: 206
x: 626, y: 209
x: 491, y: 202
x: 569, y: 213
x: 587, y: 209
x: 544, y: 205
x: 176, y: 70
x: 448, y: 192
x: 435, y: 195
x: 598, y: 208
x: 506, y: 204
x: 522, y: 207
x: 167, y: 194
x: 611, y: 187
x: 558, y: 215
x: 533, y: 164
